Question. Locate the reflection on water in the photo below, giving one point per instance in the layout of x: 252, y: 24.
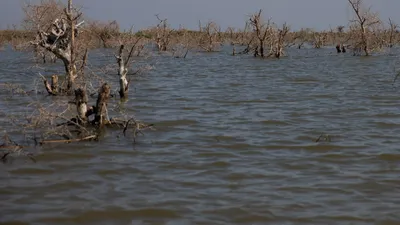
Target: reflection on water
x: 235, y: 144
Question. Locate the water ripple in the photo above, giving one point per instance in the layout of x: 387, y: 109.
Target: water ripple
x: 235, y: 144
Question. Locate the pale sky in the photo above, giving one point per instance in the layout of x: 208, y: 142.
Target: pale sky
x: 317, y: 14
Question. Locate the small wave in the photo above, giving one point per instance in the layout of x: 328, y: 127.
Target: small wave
x: 387, y: 125
x: 275, y: 122
x: 214, y: 154
x: 239, y: 102
x: 218, y: 164
x: 238, y: 146
x: 31, y: 171
x: 176, y: 123
x: 220, y: 138
x: 113, y: 215
x: 63, y: 156
x: 313, y: 148
x: 386, y: 115
x: 190, y: 108
x: 325, y: 147
x: 389, y: 157
x: 305, y: 80
x: 252, y: 219
x: 337, y: 219
x: 236, y: 84
x: 15, y: 222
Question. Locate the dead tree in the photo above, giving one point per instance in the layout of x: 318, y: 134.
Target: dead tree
x: 104, y: 32
x: 123, y: 64
x: 362, y: 28
x: 60, y: 40
x: 392, y: 31
x: 210, y: 36
x: 262, y: 32
x: 319, y: 39
x: 297, y: 38
x: 163, y: 35
x: 122, y: 72
x: 278, y: 41
x: 182, y: 44
x: 239, y: 37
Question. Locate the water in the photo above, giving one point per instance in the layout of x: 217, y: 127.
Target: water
x: 235, y: 144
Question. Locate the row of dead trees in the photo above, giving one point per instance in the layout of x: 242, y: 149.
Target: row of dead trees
x: 365, y: 33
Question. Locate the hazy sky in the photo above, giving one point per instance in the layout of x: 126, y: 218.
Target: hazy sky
x: 318, y: 14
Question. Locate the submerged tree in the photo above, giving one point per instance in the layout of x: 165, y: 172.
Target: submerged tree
x: 364, y: 29
x: 105, y: 33
x: 278, y: 41
x: 210, y: 36
x: 392, y: 33
x: 262, y: 32
x: 267, y: 37
x: 163, y: 35
x: 319, y: 39
x: 59, y: 37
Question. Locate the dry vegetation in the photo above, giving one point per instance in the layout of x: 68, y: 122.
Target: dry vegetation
x: 53, y: 31
x: 366, y: 33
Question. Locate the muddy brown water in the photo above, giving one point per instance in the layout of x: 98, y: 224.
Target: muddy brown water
x: 235, y: 144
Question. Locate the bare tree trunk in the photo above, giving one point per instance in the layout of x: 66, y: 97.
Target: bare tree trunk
x: 262, y: 48
x: 122, y: 72
x: 123, y: 64
x: 54, y: 83
x: 72, y: 68
x: 81, y: 105
x: 392, y: 31
x: 280, y: 35
x: 101, y: 105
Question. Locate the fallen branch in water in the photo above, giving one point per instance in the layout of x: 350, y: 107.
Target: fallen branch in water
x: 85, y: 127
x: 88, y: 138
x: 137, y: 128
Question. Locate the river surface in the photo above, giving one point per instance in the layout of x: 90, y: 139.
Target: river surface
x: 235, y: 144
